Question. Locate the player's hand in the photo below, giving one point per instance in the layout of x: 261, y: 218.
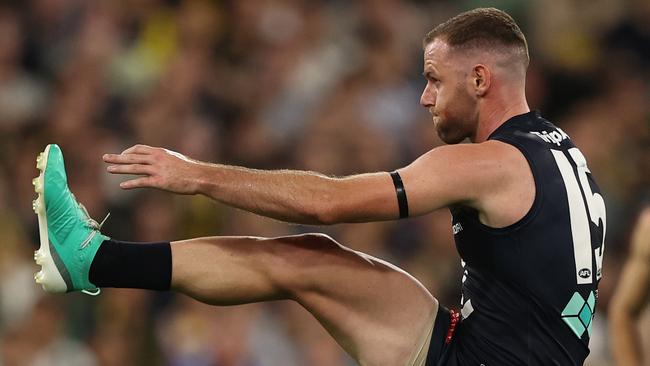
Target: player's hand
x: 156, y: 168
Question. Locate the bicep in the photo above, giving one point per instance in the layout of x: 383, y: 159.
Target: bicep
x: 446, y: 176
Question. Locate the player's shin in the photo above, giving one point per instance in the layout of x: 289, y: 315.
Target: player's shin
x: 132, y: 265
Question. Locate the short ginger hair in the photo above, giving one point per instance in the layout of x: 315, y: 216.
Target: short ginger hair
x: 485, y: 28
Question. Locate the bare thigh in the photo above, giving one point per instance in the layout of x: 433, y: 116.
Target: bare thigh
x: 377, y: 312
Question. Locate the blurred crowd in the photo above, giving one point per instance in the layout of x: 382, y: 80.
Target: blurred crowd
x: 329, y: 86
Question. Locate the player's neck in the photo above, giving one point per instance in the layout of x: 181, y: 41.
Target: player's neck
x: 495, y: 114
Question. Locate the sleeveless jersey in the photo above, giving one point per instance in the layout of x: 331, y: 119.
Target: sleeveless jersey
x: 529, y: 290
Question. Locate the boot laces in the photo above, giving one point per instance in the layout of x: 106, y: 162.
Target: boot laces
x: 91, y: 224
x: 96, y: 227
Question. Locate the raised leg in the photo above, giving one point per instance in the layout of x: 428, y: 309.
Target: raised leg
x: 375, y: 311
x: 378, y: 313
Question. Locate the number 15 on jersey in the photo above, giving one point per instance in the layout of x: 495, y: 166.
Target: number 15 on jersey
x: 583, y: 206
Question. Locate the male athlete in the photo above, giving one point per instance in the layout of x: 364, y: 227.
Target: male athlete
x: 528, y: 222
x: 631, y: 297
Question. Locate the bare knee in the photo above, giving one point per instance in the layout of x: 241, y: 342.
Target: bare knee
x: 305, y: 247
x: 310, y: 242
x: 351, y: 293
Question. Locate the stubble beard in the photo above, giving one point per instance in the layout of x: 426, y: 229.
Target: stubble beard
x: 452, y: 130
x: 458, y: 123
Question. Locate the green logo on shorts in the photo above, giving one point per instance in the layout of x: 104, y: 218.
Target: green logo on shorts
x: 579, y: 313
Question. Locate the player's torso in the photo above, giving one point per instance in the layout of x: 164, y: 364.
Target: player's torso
x: 529, y: 289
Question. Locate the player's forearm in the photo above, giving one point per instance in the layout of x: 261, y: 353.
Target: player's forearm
x: 275, y: 194
x: 294, y: 196
x: 625, y: 342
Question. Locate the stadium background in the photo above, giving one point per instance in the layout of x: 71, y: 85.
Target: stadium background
x: 331, y: 86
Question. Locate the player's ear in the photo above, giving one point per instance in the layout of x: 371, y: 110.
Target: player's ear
x: 481, y: 77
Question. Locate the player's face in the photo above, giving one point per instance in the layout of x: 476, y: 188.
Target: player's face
x: 447, y: 94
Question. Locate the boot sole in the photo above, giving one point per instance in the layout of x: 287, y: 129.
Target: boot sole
x: 49, y: 277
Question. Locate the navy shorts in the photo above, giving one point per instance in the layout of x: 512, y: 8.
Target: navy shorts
x: 444, y: 329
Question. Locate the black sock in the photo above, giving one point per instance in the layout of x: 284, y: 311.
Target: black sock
x: 132, y: 265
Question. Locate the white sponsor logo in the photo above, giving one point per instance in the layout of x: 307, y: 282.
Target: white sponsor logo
x: 457, y: 228
x: 553, y: 137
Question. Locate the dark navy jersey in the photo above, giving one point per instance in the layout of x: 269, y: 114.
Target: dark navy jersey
x: 529, y: 290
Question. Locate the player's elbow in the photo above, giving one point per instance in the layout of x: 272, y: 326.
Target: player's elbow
x: 337, y: 204
x: 325, y: 213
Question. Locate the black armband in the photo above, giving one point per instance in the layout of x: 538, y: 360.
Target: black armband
x: 401, y: 195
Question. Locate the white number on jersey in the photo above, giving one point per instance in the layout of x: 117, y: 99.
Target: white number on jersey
x: 580, y: 210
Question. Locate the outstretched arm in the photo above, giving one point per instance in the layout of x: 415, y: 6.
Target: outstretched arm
x: 631, y: 297
x: 443, y: 176
x: 288, y: 195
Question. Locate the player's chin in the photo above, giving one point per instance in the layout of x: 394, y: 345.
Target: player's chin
x: 449, y: 136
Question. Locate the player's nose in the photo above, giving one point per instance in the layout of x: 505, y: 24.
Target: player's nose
x: 428, y: 97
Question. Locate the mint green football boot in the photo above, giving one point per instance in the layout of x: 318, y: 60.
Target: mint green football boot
x: 69, y: 237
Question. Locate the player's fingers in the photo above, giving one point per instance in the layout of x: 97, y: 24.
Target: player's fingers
x: 138, y: 169
x: 142, y: 182
x: 139, y: 149
x: 126, y: 159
